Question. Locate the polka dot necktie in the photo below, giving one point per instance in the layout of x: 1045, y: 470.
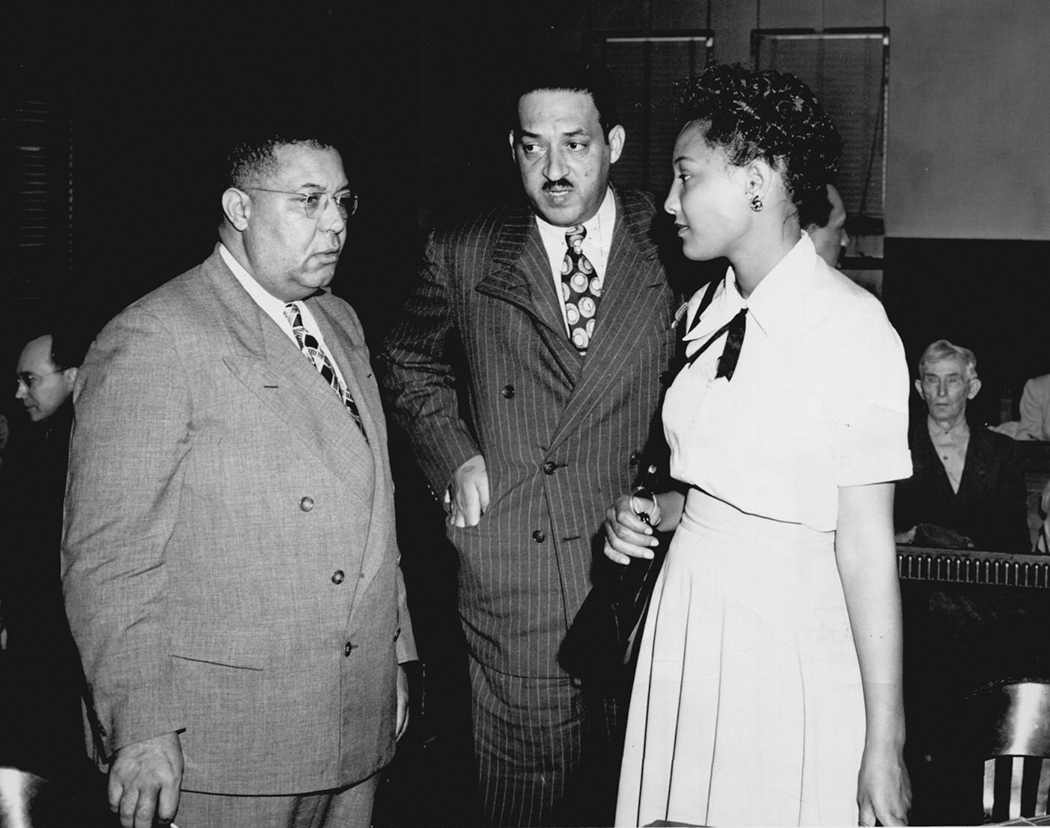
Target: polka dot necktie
x: 580, y: 289
x: 309, y: 345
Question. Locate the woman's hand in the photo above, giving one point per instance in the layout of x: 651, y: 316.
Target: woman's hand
x: 629, y: 526
x: 883, y: 790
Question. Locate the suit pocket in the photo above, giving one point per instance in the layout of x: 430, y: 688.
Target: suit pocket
x: 237, y: 649
x: 218, y: 663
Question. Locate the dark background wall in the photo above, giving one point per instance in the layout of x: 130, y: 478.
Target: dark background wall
x: 151, y: 91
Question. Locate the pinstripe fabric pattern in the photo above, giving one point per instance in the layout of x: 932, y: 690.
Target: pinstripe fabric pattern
x: 544, y: 749
x: 562, y: 435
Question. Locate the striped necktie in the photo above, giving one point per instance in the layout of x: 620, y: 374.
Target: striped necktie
x: 309, y: 345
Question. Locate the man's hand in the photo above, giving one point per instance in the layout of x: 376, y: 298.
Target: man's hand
x: 144, y: 781
x: 402, y: 703
x: 468, y: 493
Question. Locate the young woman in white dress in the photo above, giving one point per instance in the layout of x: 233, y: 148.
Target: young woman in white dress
x: 768, y: 686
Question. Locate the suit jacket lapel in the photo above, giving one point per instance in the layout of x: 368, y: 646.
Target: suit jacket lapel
x: 631, y: 298
x: 262, y: 357
x: 972, y: 484
x: 353, y: 362
x: 521, y: 275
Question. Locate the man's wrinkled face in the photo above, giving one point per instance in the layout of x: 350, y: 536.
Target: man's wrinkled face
x: 563, y: 155
x: 946, y: 385
x: 42, y: 388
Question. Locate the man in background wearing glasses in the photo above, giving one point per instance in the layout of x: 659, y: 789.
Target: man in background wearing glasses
x: 230, y: 566
x: 40, y: 680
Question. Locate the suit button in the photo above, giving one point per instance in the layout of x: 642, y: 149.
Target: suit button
x: 634, y: 458
x: 550, y: 467
x: 507, y: 391
x: 666, y: 377
x: 348, y: 648
x: 539, y: 536
x: 306, y: 504
x: 338, y: 576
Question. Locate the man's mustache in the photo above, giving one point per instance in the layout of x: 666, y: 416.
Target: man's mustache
x: 562, y: 183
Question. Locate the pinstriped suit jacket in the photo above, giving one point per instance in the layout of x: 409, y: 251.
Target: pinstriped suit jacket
x: 228, y: 533
x: 562, y: 436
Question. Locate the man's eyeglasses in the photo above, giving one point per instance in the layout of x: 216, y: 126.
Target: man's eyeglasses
x: 314, y: 204
x: 29, y: 380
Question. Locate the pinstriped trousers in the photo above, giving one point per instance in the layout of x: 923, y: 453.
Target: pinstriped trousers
x: 548, y: 750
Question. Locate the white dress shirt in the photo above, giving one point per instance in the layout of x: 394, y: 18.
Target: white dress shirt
x: 274, y: 307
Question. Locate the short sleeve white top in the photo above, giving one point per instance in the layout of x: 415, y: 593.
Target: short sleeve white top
x: 819, y: 398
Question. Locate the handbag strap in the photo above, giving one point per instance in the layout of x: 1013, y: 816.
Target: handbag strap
x: 680, y: 360
x: 715, y: 336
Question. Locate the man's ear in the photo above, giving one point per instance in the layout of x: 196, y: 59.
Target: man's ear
x: 975, y: 386
x: 616, y: 138
x: 70, y: 377
x: 237, y: 206
x: 918, y: 388
x: 513, y: 149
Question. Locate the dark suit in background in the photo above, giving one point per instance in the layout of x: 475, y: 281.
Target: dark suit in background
x: 41, y: 729
x: 990, y: 507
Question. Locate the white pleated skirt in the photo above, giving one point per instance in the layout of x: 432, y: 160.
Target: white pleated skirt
x: 747, y: 706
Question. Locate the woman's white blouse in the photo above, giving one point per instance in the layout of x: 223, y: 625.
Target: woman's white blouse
x: 819, y: 398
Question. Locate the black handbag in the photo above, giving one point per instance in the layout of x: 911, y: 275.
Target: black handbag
x: 603, y: 639
x: 602, y: 642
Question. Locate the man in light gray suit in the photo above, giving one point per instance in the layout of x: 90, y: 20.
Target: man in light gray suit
x: 229, y: 561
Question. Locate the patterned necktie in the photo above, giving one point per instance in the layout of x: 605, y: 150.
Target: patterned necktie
x: 580, y: 289
x: 309, y: 345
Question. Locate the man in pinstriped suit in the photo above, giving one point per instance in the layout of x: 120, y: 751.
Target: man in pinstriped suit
x: 548, y: 436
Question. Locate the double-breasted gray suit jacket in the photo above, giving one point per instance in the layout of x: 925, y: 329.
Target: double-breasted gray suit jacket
x: 229, y: 560
x: 562, y: 435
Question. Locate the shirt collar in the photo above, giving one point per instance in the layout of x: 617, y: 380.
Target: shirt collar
x: 273, y: 306
x: 779, y: 303
x: 956, y: 434
x: 599, y: 226
x: 780, y: 298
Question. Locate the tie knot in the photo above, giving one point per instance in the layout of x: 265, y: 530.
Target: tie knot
x: 575, y: 235
x: 291, y: 313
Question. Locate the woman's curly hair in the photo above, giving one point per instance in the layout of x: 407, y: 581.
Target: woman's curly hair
x: 770, y: 115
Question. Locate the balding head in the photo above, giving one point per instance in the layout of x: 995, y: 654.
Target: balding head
x: 43, y: 387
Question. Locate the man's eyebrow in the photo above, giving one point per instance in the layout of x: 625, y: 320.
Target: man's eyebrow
x: 309, y: 185
x: 524, y: 133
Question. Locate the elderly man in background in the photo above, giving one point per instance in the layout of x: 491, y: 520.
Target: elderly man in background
x: 968, y: 487
x: 230, y: 563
